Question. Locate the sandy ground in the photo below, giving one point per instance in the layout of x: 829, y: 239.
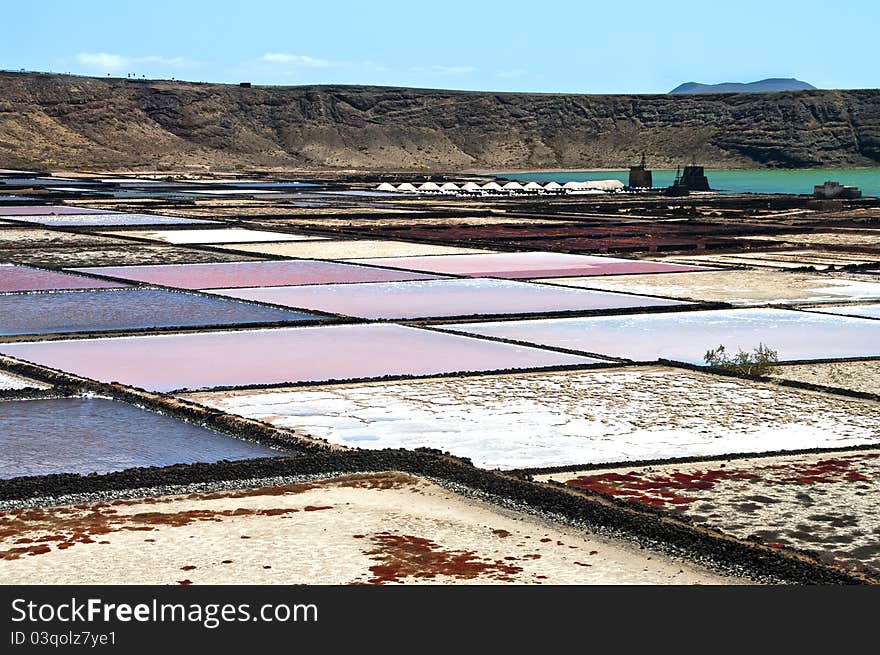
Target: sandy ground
x: 120, y: 255
x: 838, y: 238
x: 350, y: 249
x: 9, y: 382
x: 40, y: 238
x: 738, y: 287
x: 778, y: 259
x: 823, y: 503
x: 567, y: 418
x: 371, y: 529
x: 861, y: 376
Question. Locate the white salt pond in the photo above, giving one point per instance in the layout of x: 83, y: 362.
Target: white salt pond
x: 564, y: 418
x: 220, y: 235
x: 686, y: 336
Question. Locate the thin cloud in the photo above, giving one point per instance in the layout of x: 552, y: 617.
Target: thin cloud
x: 116, y: 62
x: 452, y: 70
x: 512, y: 73
x: 295, y: 60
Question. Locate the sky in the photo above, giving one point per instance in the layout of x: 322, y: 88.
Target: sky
x: 628, y: 46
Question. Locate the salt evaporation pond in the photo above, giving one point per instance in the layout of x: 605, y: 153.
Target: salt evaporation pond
x: 253, y: 274
x: 564, y: 418
x: 220, y: 235
x: 737, y: 287
x: 686, y: 336
x: 48, y: 210
x: 25, y: 278
x: 863, y: 311
x: 352, y: 249
x: 527, y: 265
x: 94, y: 311
x: 283, y: 355
x: 85, y: 435
x: 107, y: 220
x: 427, y: 298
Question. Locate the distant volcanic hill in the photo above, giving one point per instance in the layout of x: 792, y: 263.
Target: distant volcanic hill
x: 769, y: 85
x: 62, y: 122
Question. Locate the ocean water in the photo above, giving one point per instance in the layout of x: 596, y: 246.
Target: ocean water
x: 731, y: 181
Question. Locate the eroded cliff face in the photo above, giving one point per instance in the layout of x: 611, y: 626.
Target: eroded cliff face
x: 66, y: 122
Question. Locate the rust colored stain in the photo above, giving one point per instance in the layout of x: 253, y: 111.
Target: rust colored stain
x: 15, y: 553
x: 661, y: 490
x: 408, y: 556
x: 65, y: 530
x: 188, y: 567
x: 184, y: 582
x: 503, y: 534
x: 316, y: 508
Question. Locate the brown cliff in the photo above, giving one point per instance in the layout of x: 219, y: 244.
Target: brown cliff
x: 54, y: 121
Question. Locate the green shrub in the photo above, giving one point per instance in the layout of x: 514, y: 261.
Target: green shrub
x: 759, y: 362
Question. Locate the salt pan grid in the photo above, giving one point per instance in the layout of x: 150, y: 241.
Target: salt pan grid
x: 25, y: 278
x: 353, y: 249
x: 564, y: 418
x: 107, y: 220
x: 527, y: 265
x: 253, y: 274
x: 427, y: 298
x: 96, y: 311
x: 221, y: 235
x: 85, y: 435
x: 277, y: 356
x: 686, y: 336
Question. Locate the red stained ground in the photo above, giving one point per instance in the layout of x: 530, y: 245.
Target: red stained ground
x: 406, y: 556
x: 669, y: 490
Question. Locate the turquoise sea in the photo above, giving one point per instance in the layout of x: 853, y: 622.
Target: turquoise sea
x: 732, y: 181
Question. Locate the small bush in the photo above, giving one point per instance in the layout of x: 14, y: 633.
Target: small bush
x: 759, y: 362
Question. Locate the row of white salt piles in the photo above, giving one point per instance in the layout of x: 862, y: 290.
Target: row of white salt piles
x: 510, y: 188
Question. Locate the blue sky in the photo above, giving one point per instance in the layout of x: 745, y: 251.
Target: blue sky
x: 579, y: 47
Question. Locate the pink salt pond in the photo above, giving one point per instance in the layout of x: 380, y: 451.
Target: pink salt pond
x: 281, y: 356
x: 446, y: 298
x: 24, y: 278
x: 516, y: 265
x: 253, y: 274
